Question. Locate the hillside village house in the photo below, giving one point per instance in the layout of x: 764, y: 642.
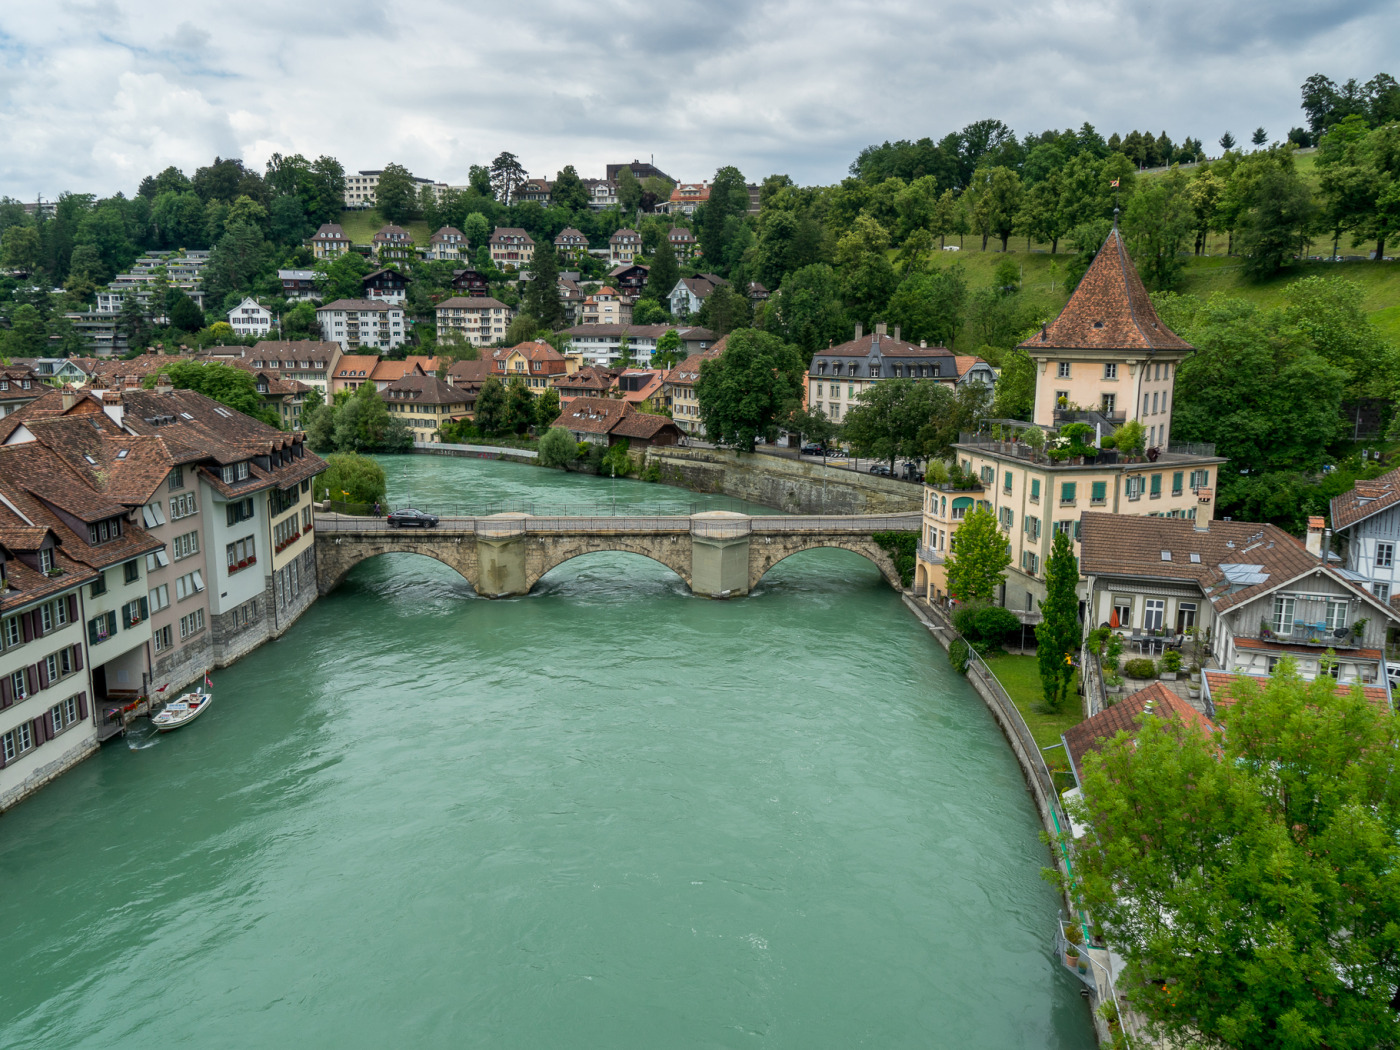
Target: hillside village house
x: 362, y: 187
x: 353, y: 323
x: 250, y: 318
x: 536, y: 363
x: 1367, y: 522
x: 683, y: 243
x: 309, y: 361
x: 387, y: 285
x: 511, y: 247
x: 468, y: 377
x: 679, y: 389
x: 571, y: 243
x: 18, y: 387
x: 1256, y: 593
x: 687, y: 196
x: 329, y: 241
x: 387, y: 371
x: 392, y: 242
x: 448, y: 244
x: 471, y: 283
x: 424, y: 403
x: 690, y: 293
x: 1107, y: 349
x: 284, y: 397
x: 624, y: 246
x: 602, y: 193
x: 589, y: 381
x: 629, y: 279
x: 608, y: 421
x: 352, y: 371
x: 298, y: 285
x: 481, y: 320
x: 537, y: 190
x: 605, y: 306
x: 570, y: 297
x: 838, y: 375
x: 601, y: 344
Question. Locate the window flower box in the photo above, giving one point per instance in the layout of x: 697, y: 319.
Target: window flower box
x: 252, y: 559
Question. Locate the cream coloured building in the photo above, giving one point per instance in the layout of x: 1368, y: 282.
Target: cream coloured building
x: 1105, y: 360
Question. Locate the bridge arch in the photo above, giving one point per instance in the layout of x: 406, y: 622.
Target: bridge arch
x: 335, y: 561
x: 671, y: 552
x: 764, y: 555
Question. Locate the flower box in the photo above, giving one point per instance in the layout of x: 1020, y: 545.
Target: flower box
x: 252, y: 559
x: 243, y: 564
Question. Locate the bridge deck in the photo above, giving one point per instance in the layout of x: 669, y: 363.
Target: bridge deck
x: 860, y: 524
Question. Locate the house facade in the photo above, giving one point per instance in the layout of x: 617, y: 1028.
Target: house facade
x: 448, y: 244
x: 386, y: 285
x: 623, y: 247
x: 480, y: 320
x: 393, y: 242
x: 298, y: 285
x: 605, y: 306
x: 355, y: 323
x: 250, y: 318
x: 1366, y: 521
x: 424, y: 404
x: 329, y: 241
x: 470, y: 283
x: 690, y: 293
x: 1107, y: 338
x: 511, y: 247
x: 679, y: 390
x: 571, y: 243
x: 629, y: 279
x: 683, y: 243
x: 536, y: 363
x: 687, y: 196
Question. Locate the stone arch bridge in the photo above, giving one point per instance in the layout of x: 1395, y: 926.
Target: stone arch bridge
x: 718, y: 554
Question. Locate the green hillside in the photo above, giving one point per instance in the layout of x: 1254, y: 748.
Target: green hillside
x: 361, y: 224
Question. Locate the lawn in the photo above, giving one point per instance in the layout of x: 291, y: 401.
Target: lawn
x: 1020, y: 677
x: 361, y: 224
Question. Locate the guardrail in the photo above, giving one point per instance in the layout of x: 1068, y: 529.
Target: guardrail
x: 857, y: 523
x: 609, y: 523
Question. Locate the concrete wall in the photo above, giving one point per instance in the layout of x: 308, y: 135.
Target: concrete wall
x: 790, y: 485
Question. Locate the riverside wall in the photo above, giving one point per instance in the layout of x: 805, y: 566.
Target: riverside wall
x: 790, y: 485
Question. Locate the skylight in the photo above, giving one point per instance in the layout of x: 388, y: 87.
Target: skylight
x: 1195, y: 558
x: 1166, y: 555
x: 122, y: 454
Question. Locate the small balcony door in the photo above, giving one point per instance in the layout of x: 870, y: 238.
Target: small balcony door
x: 1185, y: 616
x: 1153, y: 614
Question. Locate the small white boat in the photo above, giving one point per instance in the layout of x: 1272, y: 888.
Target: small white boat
x: 182, y: 711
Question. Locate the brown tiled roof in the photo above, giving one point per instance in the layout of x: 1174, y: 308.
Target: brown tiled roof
x: 688, y: 371
x: 642, y: 425
x: 472, y: 302
x: 379, y: 305
x: 1273, y: 645
x: 1127, y: 716
x: 886, y: 345
x: 28, y: 584
x: 588, y: 379
x: 469, y: 373
x: 443, y: 233
x: 592, y: 415
x: 387, y: 371
x: 386, y: 270
x: 125, y: 468
x: 424, y: 390
x: 1365, y: 498
x: 330, y: 231
x: 1110, y: 310
x: 390, y: 230
x: 1129, y: 545
x: 296, y: 349
x: 965, y: 362
x: 1227, y: 689
x: 568, y: 233
x: 501, y: 232
x: 356, y: 366
x: 636, y: 331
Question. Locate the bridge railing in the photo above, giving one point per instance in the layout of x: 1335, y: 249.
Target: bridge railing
x: 331, y: 524
x: 857, y: 523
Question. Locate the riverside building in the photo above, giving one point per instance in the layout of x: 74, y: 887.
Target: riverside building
x: 1105, y: 360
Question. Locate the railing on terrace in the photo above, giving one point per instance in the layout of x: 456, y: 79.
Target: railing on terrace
x: 1308, y: 635
x: 930, y: 556
x: 1198, y: 448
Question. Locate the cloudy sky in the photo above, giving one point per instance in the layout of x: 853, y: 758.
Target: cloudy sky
x: 95, y: 95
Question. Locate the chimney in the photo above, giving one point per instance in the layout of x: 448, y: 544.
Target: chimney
x: 113, y: 405
x: 896, y: 334
x: 70, y: 398
x: 880, y: 329
x: 860, y: 329
x: 163, y: 384
x: 1316, y: 524
x: 923, y: 344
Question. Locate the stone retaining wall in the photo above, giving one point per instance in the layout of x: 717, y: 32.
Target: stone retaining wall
x: 791, y: 485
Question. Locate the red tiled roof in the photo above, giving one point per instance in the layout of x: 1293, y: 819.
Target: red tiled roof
x: 1366, y: 498
x: 1226, y: 689
x: 1275, y: 646
x: 1110, y: 310
x: 592, y: 415
x: 1126, y: 716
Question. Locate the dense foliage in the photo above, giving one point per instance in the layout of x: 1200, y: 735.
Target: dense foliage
x: 978, y: 554
x: 234, y: 387
x: 350, y: 478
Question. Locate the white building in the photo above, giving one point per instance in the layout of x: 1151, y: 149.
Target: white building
x: 481, y: 319
x: 355, y: 323
x: 1367, y: 519
x: 360, y: 188
x: 250, y: 318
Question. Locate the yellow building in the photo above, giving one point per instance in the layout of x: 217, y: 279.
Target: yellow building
x: 1105, y: 360
x: 424, y: 404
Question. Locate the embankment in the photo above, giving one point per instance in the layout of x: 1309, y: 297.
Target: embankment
x: 790, y: 485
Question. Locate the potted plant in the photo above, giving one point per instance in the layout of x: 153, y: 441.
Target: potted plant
x: 1113, y: 682
x: 1074, y: 937
x: 1171, y: 665
x: 1358, y: 628
x: 1109, y: 1012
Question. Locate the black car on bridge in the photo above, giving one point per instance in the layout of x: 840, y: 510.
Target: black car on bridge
x: 409, y: 517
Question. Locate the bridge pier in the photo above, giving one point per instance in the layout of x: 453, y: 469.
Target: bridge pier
x: 500, y: 556
x: 719, y: 554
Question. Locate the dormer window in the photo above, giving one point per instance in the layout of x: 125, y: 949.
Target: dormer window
x: 103, y: 531
x: 46, y: 562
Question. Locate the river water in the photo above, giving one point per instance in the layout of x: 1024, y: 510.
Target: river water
x: 608, y: 814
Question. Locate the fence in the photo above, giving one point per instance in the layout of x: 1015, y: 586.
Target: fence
x: 606, y: 523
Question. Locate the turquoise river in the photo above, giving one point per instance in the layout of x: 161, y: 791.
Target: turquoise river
x: 609, y: 814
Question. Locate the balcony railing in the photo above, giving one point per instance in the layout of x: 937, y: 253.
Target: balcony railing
x: 1312, y: 636
x: 929, y: 555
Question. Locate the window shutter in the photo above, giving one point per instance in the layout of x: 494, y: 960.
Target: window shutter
x: 31, y: 678
x: 38, y: 619
x: 82, y: 705
x: 26, y: 621
x: 145, y: 608
x: 92, y: 631
x: 77, y: 657
x: 111, y: 624
x: 43, y: 666
x: 5, y: 698
x: 72, y: 608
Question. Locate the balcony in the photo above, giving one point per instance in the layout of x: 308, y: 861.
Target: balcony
x: 928, y: 555
x: 1311, y: 635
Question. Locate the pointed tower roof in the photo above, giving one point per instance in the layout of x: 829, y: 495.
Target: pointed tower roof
x: 1109, y: 310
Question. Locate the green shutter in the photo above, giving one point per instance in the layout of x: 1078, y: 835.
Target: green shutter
x: 1035, y: 488
x: 1100, y: 491
x: 1176, y: 483
x: 1156, y: 484
x: 1007, y: 483
x: 1066, y: 492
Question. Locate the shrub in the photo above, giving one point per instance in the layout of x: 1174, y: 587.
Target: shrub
x: 1098, y: 639
x: 994, y: 623
x: 958, y: 655
x: 616, y: 460
x: 937, y: 473
x: 1171, y: 661
x: 558, y: 448
x: 1140, y: 668
x: 965, y: 620
x: 901, y: 547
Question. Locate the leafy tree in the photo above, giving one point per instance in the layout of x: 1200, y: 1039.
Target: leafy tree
x: 1248, y: 877
x: 558, y: 448
x: 978, y: 554
x: 491, y: 416
x: 1001, y: 196
x: 742, y: 392
x: 629, y: 191
x: 1279, y: 218
x: 1260, y: 137
x: 27, y: 336
x: 132, y: 321
x: 184, y: 313
x: 724, y: 310
x: 867, y: 278
x: 351, y: 478
x: 396, y: 195
x: 664, y: 273
x: 230, y: 386
x: 568, y: 190
x: 541, y: 299
x: 506, y: 174
x: 889, y: 416
x: 809, y: 426
x: 1057, y: 634
x: 729, y: 199
x: 649, y: 311
x: 522, y: 329
x: 236, y: 261
x: 1157, y: 226
x: 808, y: 310
x: 342, y: 277
x: 1042, y: 213
x: 520, y: 406
x: 547, y: 406
x: 21, y: 248
x: 669, y: 352
x: 930, y: 305
x: 1227, y: 141
x: 477, y: 229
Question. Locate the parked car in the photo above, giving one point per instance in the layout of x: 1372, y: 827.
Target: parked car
x: 811, y: 449
x: 410, y: 517
x: 912, y: 472
x: 882, y: 469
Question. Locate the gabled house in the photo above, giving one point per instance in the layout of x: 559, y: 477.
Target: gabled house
x: 589, y: 381
x: 298, y: 285
x: 690, y: 293
x: 329, y: 241
x: 610, y: 420
x: 250, y: 318
x: 687, y: 196
x: 1257, y: 593
x: 471, y: 283
x: 624, y: 246
x: 1366, y: 519
x: 511, y: 247
x: 392, y: 242
x: 629, y: 278
x: 388, y: 285
x: 537, y: 190
x: 679, y: 389
x: 448, y: 244
x: 571, y: 243
x: 353, y: 371
x: 536, y: 363
x: 605, y: 306
x: 18, y: 387
x: 683, y: 243
x: 424, y: 403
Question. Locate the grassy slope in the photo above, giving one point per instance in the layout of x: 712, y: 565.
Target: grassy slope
x: 361, y: 224
x: 1020, y: 677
